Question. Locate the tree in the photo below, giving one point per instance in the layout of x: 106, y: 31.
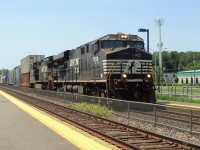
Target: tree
x: 167, y: 62
x: 197, y: 81
x: 181, y: 60
x: 174, y: 60
x: 176, y: 80
x: 186, y: 80
x: 191, y: 80
x: 3, y: 71
x: 182, y: 80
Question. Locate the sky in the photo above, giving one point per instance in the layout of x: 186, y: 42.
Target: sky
x: 49, y: 27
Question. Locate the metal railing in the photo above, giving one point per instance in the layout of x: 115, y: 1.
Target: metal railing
x: 191, y: 93
x: 179, y: 118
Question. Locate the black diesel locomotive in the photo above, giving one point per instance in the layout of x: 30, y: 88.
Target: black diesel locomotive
x: 114, y: 66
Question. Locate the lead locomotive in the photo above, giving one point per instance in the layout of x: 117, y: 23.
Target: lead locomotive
x: 114, y: 66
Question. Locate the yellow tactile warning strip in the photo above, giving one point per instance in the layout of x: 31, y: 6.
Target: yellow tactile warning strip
x: 81, y: 141
x: 184, y: 106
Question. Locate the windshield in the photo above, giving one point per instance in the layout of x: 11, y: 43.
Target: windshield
x: 116, y: 44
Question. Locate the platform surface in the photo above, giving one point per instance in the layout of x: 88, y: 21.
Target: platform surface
x: 180, y: 104
x: 19, y: 131
x: 23, y: 127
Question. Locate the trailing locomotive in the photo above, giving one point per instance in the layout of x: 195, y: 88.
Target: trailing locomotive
x: 114, y: 66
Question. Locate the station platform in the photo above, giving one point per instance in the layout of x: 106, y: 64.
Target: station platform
x: 24, y: 127
x: 179, y: 104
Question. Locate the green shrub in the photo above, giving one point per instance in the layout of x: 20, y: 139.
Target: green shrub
x: 197, y: 81
x: 186, y: 80
x: 184, y: 84
x: 169, y: 84
x: 95, y: 109
x: 176, y: 80
x: 191, y: 80
x: 176, y: 84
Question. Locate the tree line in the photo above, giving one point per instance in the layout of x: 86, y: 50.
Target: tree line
x: 174, y: 61
x: 3, y: 71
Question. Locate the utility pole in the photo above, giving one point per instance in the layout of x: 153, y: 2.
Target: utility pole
x: 159, y: 22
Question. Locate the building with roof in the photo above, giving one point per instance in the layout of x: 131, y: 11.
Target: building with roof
x: 169, y: 77
x: 189, y: 77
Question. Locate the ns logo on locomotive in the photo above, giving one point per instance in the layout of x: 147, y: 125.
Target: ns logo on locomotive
x: 114, y: 66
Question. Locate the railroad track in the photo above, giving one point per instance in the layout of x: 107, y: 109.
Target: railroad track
x: 120, y: 135
x: 174, y: 118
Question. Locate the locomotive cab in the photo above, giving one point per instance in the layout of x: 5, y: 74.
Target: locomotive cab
x: 127, y: 68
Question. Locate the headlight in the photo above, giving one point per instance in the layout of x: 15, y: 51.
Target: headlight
x: 148, y: 75
x: 124, y: 75
x: 123, y: 36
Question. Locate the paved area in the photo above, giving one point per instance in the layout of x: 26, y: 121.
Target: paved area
x: 19, y: 131
x: 23, y: 127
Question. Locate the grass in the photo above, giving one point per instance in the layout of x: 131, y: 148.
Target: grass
x: 95, y: 109
x: 177, y: 98
x: 179, y: 90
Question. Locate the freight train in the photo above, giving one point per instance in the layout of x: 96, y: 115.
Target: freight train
x: 113, y: 66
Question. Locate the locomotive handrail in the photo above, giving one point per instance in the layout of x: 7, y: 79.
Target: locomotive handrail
x: 109, y: 75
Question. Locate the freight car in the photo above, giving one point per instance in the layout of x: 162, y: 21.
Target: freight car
x: 27, y: 79
x: 17, y: 75
x: 9, y: 78
x: 114, y: 66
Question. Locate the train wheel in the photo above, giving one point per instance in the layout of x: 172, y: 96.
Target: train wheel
x: 152, y: 96
x: 103, y: 93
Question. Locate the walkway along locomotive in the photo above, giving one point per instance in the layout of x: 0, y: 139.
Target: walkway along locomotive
x: 114, y: 66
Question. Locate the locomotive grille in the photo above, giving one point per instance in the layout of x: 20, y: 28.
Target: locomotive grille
x: 127, y: 66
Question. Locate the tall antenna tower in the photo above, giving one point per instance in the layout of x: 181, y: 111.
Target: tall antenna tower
x: 159, y: 23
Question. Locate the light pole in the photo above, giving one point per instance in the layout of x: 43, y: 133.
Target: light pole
x: 145, y: 30
x: 194, y: 71
x: 155, y: 64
